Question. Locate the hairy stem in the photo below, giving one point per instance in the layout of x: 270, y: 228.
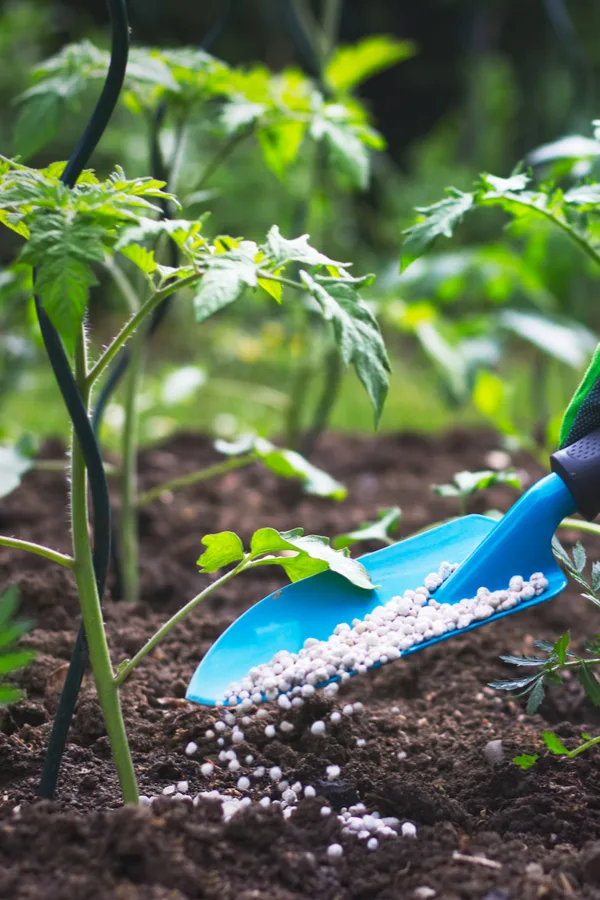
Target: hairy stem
x: 129, y: 518
x: 53, y: 555
x: 126, y: 670
x: 134, y: 323
x: 586, y: 746
x: 108, y: 694
x: 222, y: 154
x: 60, y: 465
x: 236, y: 462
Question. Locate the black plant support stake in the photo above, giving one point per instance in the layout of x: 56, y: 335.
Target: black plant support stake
x: 121, y: 363
x: 75, y: 406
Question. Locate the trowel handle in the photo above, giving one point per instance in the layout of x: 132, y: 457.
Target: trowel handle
x: 579, y: 467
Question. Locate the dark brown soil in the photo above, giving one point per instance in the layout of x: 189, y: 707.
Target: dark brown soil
x: 538, y: 828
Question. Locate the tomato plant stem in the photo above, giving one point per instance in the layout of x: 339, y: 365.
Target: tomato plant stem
x: 127, y: 668
x: 129, y: 518
x: 60, y: 465
x: 586, y: 746
x: 134, y: 323
x: 39, y: 550
x: 581, y: 525
x: 108, y: 694
x: 237, y: 462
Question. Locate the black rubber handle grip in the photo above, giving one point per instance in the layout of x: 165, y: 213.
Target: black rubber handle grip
x: 579, y: 467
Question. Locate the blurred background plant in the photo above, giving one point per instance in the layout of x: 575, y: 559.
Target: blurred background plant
x: 333, y: 119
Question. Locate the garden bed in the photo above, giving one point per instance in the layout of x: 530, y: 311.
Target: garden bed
x: 518, y: 835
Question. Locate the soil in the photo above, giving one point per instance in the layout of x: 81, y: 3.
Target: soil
x: 519, y: 835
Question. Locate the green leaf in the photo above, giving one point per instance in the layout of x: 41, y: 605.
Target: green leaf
x: 561, y: 646
x: 535, y: 698
x: 280, y: 145
x: 468, y: 483
x: 307, y: 547
x: 37, y: 123
x: 281, y: 250
x: 568, y: 341
x: 514, y: 684
x: 572, y: 146
x: 587, y: 195
x: 579, y: 557
x: 224, y: 282
x: 387, y: 521
x: 356, y: 332
x: 11, y: 662
x: 596, y: 576
x: 223, y: 548
x: 9, y: 601
x: 526, y: 760
x: 140, y: 257
x: 239, y: 112
x: 346, y: 150
x: 13, y: 465
x: 445, y: 490
x: 554, y: 743
x: 290, y: 464
x: 350, y: 66
x: 64, y: 294
x: 589, y: 683
x: 516, y: 182
x: 524, y: 660
x: 439, y: 219
x: 9, y: 694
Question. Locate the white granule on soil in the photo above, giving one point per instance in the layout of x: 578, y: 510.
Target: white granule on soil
x: 384, y: 634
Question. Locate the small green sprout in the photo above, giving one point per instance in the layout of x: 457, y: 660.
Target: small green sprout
x: 11, y: 658
x: 465, y: 484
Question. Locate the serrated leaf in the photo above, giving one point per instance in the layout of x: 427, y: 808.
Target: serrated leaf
x: 283, y: 250
x: 387, y: 521
x: 280, y: 145
x: 64, y: 292
x: 572, y: 146
x: 437, y: 220
x: 589, y: 683
x: 356, y: 332
x: 584, y: 195
x: 535, y: 698
x: 524, y: 660
x: 290, y: 464
x: 222, y: 548
x: 525, y: 760
x: 317, y: 548
x: 13, y: 465
x: 514, y: 684
x: 561, y: 646
x: 224, y: 282
x: 579, y: 557
x: 140, y: 257
x: 346, y: 150
x: 351, y: 65
x: 509, y: 185
x: 37, y: 123
x: 554, y: 743
x: 596, y: 576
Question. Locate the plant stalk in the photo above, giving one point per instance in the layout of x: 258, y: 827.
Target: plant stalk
x: 127, y: 668
x: 580, y: 525
x: 53, y: 555
x: 129, y: 515
x: 108, y: 694
x: 237, y: 462
x: 134, y: 323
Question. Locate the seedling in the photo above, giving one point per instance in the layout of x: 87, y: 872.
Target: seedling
x: 380, y: 531
x: 466, y: 484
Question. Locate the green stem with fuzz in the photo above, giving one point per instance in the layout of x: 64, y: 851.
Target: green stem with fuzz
x: 83, y: 567
x: 133, y: 324
x: 129, y: 519
x: 59, y: 465
x: 53, y: 555
x: 127, y: 668
x: 174, y: 484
